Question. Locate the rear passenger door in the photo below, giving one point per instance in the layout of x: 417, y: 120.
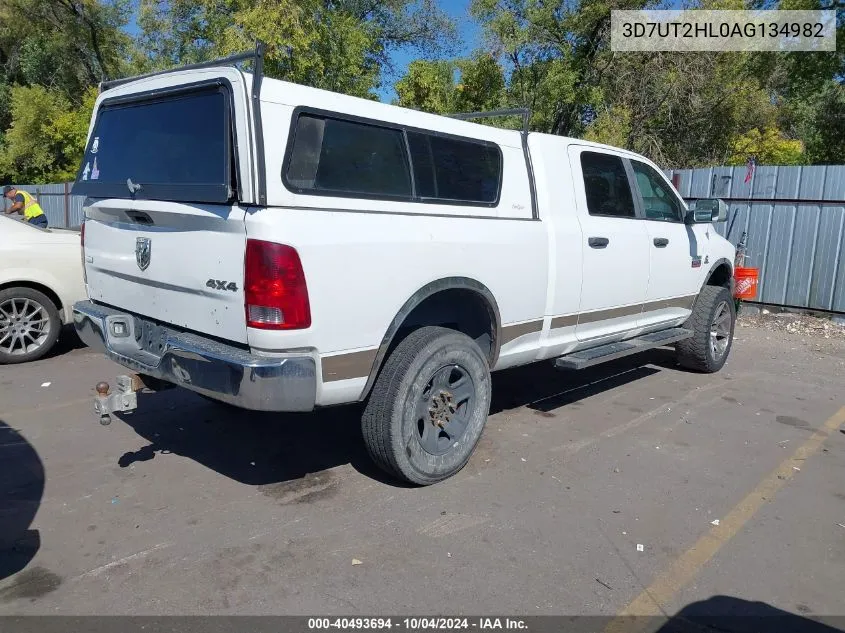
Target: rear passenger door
x: 675, y: 271
x: 615, y: 254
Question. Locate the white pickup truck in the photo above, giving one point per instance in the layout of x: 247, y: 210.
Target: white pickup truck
x: 280, y: 248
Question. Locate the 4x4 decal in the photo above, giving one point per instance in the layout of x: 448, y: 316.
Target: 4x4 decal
x: 218, y: 284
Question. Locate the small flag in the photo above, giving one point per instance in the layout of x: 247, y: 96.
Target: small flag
x: 749, y: 168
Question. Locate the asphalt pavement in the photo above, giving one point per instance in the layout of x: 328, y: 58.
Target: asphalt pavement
x: 631, y: 488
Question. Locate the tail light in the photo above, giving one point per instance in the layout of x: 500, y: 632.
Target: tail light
x: 82, y: 244
x: 276, y: 296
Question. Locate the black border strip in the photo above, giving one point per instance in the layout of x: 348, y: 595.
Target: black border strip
x: 413, y: 214
x: 258, y: 129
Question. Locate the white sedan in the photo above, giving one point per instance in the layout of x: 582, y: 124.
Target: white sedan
x: 40, y: 279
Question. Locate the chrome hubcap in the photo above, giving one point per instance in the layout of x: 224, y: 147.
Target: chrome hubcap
x: 720, y: 331
x: 24, y: 326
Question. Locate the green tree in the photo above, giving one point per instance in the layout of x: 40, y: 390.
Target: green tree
x: 681, y: 109
x: 52, y: 55
x: 65, y: 45
x: 611, y: 126
x: 464, y: 85
x: 341, y: 45
x: 429, y: 86
x: 481, y: 84
x: 558, y: 52
x: 47, y: 135
x: 819, y: 121
x: 769, y: 146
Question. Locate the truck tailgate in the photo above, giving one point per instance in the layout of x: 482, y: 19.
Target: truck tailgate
x: 182, y: 264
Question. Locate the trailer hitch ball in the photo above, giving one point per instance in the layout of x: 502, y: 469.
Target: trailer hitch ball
x: 100, y: 406
x: 123, y: 398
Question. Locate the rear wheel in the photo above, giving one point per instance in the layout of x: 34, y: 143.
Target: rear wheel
x: 712, y: 320
x: 29, y: 325
x: 428, y: 406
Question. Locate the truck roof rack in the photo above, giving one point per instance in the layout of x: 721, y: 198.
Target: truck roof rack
x: 257, y: 57
x: 525, y: 113
x: 254, y: 55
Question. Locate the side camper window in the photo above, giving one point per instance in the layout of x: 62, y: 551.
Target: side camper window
x: 336, y: 156
x: 452, y: 169
x: 332, y: 155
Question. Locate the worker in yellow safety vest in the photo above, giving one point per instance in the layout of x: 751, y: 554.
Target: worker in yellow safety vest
x: 26, y: 205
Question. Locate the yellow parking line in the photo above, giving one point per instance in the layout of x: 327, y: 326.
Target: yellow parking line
x: 655, y: 598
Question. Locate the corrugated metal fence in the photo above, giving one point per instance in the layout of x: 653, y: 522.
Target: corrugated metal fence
x: 795, y: 218
x: 61, y: 208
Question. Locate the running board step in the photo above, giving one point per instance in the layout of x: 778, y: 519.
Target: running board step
x: 612, y: 351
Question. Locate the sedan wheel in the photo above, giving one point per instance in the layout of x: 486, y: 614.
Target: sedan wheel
x: 29, y: 325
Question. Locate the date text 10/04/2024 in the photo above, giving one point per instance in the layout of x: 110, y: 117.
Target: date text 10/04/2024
x: 416, y: 623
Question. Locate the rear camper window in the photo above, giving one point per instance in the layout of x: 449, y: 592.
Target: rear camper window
x: 167, y: 148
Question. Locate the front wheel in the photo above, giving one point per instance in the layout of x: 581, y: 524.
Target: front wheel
x: 29, y: 325
x: 428, y: 406
x: 712, y: 320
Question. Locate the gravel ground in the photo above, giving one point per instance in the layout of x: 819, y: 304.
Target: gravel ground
x: 804, y: 324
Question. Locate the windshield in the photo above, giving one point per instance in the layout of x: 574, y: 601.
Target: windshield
x: 166, y: 148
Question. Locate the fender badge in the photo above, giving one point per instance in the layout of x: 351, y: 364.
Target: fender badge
x: 696, y: 262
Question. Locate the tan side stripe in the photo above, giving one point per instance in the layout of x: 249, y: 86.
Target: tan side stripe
x: 613, y: 313
x: 359, y: 364
x: 511, y: 332
x: 564, y: 321
x: 345, y: 366
x: 677, y: 302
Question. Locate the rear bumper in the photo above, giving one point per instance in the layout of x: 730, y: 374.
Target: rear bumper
x: 220, y: 371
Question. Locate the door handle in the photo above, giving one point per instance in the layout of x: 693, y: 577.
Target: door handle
x: 598, y: 242
x: 661, y: 242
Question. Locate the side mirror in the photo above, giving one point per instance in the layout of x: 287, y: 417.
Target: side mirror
x: 707, y: 211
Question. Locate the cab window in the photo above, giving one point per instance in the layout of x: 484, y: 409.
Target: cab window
x: 606, y: 185
x: 659, y: 201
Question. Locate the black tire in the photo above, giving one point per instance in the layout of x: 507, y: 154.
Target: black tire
x: 27, y: 300
x: 700, y: 352
x: 427, y: 372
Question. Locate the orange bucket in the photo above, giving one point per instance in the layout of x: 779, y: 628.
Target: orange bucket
x: 746, y: 283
